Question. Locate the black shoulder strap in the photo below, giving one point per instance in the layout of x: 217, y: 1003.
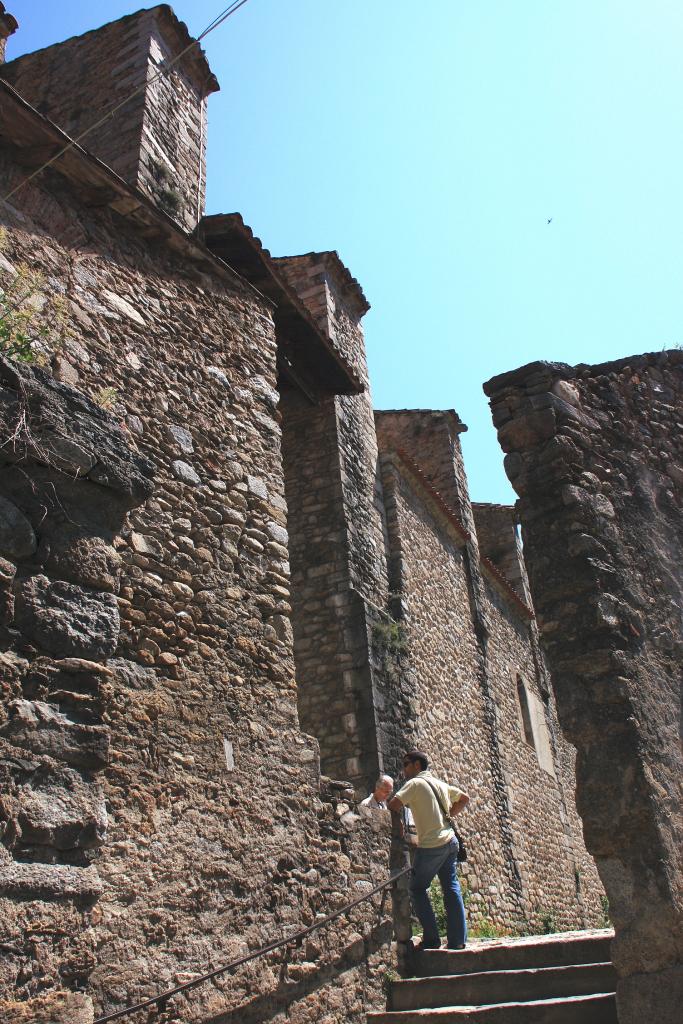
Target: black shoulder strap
x: 446, y: 817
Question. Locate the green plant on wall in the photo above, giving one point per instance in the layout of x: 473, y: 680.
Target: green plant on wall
x: 436, y: 896
x: 106, y: 397
x: 466, y: 891
x: 388, y: 637
x: 30, y: 324
x: 547, y: 921
x: 19, y: 331
x: 486, y: 929
x: 169, y: 200
x: 483, y: 928
x: 389, y: 977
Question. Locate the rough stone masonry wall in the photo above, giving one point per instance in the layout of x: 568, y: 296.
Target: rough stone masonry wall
x: 214, y: 843
x: 430, y: 439
x: 595, y: 455
x: 533, y: 885
x: 324, y: 286
x: 449, y: 721
x: 157, y: 141
x: 499, y: 541
x: 172, y: 168
x: 555, y: 876
x: 558, y: 886
x: 330, y: 632
x: 68, y: 479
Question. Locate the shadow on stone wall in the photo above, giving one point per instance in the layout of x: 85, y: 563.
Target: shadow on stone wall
x: 306, y: 980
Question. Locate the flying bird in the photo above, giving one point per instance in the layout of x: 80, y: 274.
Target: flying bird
x: 550, y: 220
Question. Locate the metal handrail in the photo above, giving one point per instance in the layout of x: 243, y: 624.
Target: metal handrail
x: 296, y: 937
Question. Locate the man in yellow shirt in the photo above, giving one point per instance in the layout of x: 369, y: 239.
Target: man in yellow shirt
x: 432, y: 801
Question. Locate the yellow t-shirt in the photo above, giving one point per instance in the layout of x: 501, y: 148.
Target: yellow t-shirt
x: 416, y: 794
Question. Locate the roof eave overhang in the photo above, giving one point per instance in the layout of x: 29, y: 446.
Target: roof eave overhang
x: 230, y: 238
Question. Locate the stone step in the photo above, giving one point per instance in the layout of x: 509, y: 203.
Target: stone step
x: 489, y: 987
x: 535, y: 951
x: 599, y: 1008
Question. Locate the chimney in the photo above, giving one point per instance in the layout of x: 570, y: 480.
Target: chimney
x: 157, y: 141
x: 8, y: 25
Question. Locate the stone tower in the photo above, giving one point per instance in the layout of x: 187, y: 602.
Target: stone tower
x: 157, y: 140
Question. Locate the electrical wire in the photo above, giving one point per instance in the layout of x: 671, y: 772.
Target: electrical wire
x: 216, y: 23
x: 223, y: 16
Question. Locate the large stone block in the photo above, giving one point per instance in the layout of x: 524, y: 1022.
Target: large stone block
x: 7, y: 573
x: 66, y: 620
x: 55, y: 1008
x: 602, y: 538
x: 652, y: 997
x: 17, y: 539
x: 68, y: 433
x: 73, y: 555
x: 80, y: 687
x: 44, y: 729
x: 49, y: 882
x: 56, y: 808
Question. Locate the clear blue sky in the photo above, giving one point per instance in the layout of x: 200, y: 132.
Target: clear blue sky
x: 429, y: 143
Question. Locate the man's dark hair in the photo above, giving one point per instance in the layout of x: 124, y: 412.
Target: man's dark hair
x: 417, y: 755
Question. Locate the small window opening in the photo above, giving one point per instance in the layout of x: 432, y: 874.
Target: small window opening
x: 525, y: 712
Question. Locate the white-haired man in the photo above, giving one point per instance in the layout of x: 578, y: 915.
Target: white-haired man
x: 374, y: 807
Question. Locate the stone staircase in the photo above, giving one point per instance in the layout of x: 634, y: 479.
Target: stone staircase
x: 548, y: 979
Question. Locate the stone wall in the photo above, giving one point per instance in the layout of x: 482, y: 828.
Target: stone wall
x: 157, y: 141
x: 595, y: 455
x: 328, y: 615
x: 470, y: 640
x: 68, y: 480
x: 449, y: 722
x: 552, y: 875
x: 431, y: 438
x: 216, y: 839
x: 55, y: 1008
x: 335, y: 299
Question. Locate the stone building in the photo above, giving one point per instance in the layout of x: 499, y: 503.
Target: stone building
x: 221, y: 573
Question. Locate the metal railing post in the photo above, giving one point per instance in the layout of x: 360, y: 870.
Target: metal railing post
x: 399, y: 860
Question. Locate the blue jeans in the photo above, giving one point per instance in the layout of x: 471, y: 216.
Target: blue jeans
x: 441, y: 861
